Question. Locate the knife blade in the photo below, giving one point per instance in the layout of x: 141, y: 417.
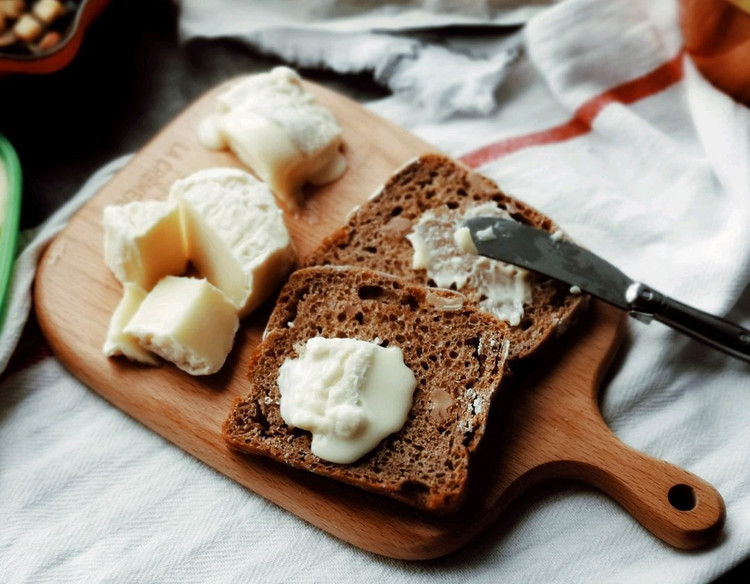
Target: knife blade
x: 549, y: 254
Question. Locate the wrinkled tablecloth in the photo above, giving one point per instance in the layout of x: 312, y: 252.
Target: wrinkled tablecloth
x: 594, y: 115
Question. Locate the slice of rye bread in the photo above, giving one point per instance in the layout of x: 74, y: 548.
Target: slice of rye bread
x: 375, y: 237
x: 457, y: 357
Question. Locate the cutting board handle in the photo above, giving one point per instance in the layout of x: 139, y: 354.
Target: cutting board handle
x: 559, y: 433
x: 677, y: 506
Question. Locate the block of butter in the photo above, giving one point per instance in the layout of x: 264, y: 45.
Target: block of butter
x: 143, y: 242
x: 186, y: 321
x: 235, y: 234
x: 275, y: 126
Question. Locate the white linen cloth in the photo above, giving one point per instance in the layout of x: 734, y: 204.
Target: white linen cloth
x: 602, y: 124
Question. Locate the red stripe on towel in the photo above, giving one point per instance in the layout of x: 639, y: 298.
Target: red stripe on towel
x: 629, y: 92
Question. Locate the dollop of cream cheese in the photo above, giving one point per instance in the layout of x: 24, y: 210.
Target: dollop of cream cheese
x: 350, y: 394
x: 441, y: 248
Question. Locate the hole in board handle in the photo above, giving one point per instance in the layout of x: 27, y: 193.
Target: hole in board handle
x: 682, y: 497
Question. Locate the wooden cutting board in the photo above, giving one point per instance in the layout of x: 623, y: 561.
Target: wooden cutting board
x: 547, y: 427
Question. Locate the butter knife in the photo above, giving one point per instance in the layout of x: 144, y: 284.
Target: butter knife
x: 553, y: 256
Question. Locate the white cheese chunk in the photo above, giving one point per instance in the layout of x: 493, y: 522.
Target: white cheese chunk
x: 275, y: 126
x: 143, y: 242
x: 235, y: 234
x: 349, y: 393
x: 120, y: 343
x: 445, y: 250
x: 188, y: 322
x: 463, y: 240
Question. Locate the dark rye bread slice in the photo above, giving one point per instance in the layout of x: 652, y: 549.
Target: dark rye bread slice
x: 375, y: 237
x: 456, y: 355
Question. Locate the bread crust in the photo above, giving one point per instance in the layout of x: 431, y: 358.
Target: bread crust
x: 457, y: 357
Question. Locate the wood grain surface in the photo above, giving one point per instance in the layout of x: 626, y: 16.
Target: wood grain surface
x: 546, y: 427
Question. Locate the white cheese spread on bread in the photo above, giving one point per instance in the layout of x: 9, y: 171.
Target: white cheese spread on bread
x: 444, y: 248
x: 350, y: 394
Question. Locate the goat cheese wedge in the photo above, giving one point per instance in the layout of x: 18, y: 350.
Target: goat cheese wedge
x: 278, y: 129
x: 143, y: 242
x: 234, y: 233
x: 118, y: 342
x: 188, y: 322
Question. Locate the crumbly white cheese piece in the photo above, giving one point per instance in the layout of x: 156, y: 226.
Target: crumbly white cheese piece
x: 502, y: 289
x: 464, y: 242
x: 235, y: 234
x: 275, y: 126
x: 349, y: 393
x: 118, y: 342
x: 143, y: 242
x: 487, y: 234
x: 188, y: 322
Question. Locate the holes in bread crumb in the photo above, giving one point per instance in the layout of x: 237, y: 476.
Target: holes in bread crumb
x: 359, y: 317
x: 341, y: 317
x: 429, y: 194
x: 371, y: 249
x: 452, y: 205
x: 453, y: 355
x: 370, y: 292
x: 526, y: 324
x: 411, y: 302
x: 461, y: 192
x: 400, y: 339
x: 396, y: 211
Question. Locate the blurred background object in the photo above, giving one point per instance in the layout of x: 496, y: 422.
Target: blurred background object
x: 41, y: 36
x: 10, y: 210
x: 717, y: 38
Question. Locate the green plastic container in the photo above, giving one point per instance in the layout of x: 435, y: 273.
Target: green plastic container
x: 10, y: 213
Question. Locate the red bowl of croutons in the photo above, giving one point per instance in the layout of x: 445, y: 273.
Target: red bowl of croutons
x: 42, y: 36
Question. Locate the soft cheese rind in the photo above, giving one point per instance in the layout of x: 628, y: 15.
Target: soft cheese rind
x: 235, y: 233
x: 118, y: 342
x: 188, y: 322
x: 143, y: 242
x: 277, y: 128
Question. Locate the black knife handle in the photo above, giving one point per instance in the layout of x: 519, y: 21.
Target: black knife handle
x: 717, y: 332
